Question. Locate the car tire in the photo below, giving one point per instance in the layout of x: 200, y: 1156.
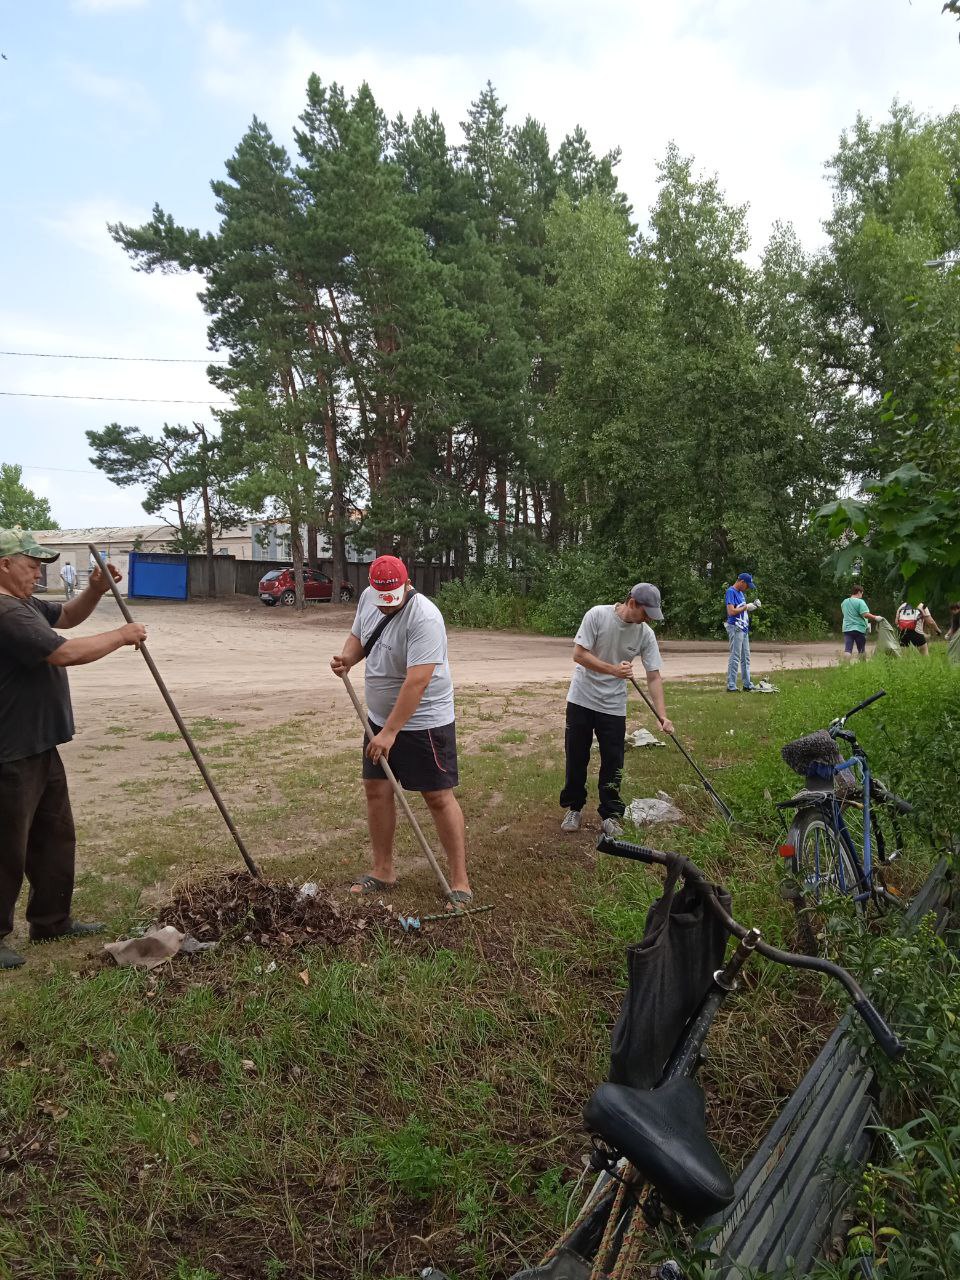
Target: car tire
x: 288, y: 597
x: 346, y: 595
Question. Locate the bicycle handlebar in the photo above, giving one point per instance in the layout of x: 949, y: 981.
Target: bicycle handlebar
x: 841, y: 720
x: 879, y: 1029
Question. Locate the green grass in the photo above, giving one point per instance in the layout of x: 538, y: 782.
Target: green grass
x: 419, y: 1101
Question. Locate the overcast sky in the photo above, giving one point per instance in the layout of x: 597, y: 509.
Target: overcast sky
x: 107, y: 106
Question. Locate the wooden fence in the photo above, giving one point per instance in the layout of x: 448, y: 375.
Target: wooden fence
x: 241, y: 577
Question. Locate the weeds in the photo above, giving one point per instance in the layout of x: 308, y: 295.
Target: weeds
x: 906, y: 1219
x: 406, y: 1104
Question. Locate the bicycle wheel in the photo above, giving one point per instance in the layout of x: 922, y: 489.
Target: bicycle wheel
x: 821, y: 861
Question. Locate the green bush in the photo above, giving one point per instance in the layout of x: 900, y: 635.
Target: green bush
x: 572, y: 583
x: 552, y: 596
x: 492, y: 600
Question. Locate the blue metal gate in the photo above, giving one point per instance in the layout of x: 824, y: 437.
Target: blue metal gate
x: 159, y: 576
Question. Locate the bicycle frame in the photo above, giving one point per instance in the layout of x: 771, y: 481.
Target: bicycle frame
x: 862, y: 859
x: 583, y: 1237
x: 864, y: 863
x: 607, y: 1225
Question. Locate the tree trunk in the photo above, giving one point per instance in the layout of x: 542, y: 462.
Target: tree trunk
x: 501, y: 491
x: 556, y: 514
x: 338, y: 511
x: 208, y: 539
x: 312, y: 547
x: 482, y: 515
x: 296, y: 549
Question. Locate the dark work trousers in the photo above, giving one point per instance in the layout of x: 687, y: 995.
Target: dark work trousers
x: 37, y: 840
x: 582, y: 724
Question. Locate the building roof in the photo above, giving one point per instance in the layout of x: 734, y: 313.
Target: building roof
x: 126, y: 533
x: 146, y: 532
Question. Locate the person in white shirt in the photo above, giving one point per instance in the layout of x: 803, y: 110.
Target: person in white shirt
x: 609, y: 638
x: 401, y: 637
x: 912, y: 621
x: 69, y: 576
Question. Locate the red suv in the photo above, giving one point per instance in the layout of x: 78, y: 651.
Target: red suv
x: 277, y: 586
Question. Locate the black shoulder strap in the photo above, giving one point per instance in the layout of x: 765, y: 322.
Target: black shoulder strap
x: 384, y: 622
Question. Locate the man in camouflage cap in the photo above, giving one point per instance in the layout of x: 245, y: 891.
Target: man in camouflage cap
x: 36, y: 825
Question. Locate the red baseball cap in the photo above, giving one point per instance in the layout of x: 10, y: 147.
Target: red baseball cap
x: 388, y: 577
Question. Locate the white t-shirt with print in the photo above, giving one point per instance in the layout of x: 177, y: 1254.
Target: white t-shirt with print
x: 413, y: 638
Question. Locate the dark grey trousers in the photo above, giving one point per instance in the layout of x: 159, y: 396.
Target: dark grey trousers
x: 582, y: 724
x: 37, y: 840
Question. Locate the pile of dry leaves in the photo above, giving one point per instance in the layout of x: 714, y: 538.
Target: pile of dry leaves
x: 273, y: 914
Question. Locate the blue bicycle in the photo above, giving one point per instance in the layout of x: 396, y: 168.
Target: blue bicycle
x: 846, y: 826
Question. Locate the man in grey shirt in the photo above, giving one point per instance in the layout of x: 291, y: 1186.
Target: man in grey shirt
x: 409, y: 695
x: 610, y: 637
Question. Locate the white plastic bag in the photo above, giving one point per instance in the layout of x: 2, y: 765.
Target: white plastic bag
x: 660, y: 809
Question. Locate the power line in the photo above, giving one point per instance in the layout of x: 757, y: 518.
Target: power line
x: 62, y: 355
x: 73, y: 471
x: 42, y: 395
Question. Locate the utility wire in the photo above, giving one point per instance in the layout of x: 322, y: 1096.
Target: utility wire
x: 73, y: 471
x: 41, y: 395
x: 54, y: 355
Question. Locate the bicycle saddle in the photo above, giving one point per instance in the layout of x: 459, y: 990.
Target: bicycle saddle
x: 662, y: 1132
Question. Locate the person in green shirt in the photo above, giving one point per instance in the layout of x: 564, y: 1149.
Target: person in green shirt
x: 856, y: 623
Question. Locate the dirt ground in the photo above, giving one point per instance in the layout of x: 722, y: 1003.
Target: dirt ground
x: 239, y: 661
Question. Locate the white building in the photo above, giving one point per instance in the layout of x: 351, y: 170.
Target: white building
x: 116, y: 543
x: 258, y: 540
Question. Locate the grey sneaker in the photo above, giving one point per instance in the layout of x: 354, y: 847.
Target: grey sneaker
x: 612, y: 828
x: 571, y: 820
x: 10, y: 959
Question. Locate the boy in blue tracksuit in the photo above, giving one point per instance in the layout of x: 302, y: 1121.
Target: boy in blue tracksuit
x: 738, y: 630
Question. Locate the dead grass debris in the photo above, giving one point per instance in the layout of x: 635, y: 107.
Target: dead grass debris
x: 277, y: 915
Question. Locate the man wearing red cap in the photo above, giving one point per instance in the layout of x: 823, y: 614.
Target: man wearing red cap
x: 409, y: 695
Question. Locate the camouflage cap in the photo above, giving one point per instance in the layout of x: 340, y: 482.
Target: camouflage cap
x: 17, y: 542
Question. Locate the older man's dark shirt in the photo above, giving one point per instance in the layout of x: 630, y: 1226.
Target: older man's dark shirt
x: 35, y: 711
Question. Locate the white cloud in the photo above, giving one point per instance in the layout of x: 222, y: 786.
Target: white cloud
x: 83, y: 225
x: 757, y: 92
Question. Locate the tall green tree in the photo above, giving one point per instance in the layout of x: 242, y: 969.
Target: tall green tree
x: 695, y: 439
x: 386, y: 309
x: 256, y: 299
x: 184, y: 469
x: 886, y: 314
x: 20, y: 505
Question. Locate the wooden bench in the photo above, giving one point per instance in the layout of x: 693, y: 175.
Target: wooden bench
x: 791, y: 1195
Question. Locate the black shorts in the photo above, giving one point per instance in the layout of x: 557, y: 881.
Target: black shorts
x: 912, y: 639
x: 851, y: 638
x: 421, y: 759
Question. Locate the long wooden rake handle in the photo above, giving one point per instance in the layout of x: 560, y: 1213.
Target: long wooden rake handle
x: 185, y: 732
x: 707, y: 784
x: 398, y: 790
